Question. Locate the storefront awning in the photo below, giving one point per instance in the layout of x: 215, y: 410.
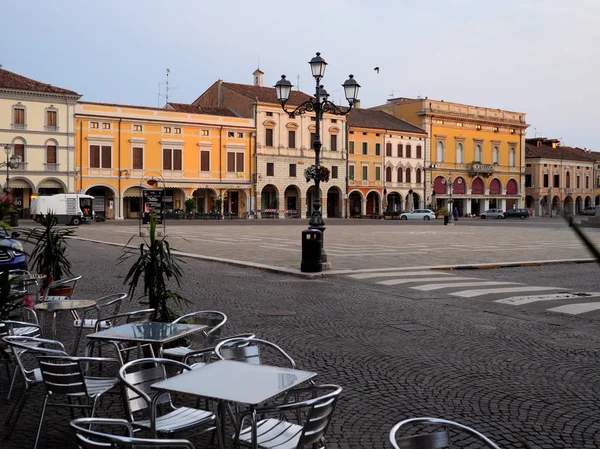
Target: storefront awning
x: 49, y: 184
x: 132, y: 192
x: 19, y: 184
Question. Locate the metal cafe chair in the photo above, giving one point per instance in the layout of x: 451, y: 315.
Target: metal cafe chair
x: 25, y: 351
x: 106, y: 305
x: 313, y: 416
x: 201, y: 357
x: 66, y: 376
x: 433, y: 440
x: 215, y: 321
x: 89, y: 437
x: 122, y: 348
x: 67, y: 285
x: 252, y: 350
x: 148, y: 409
x: 21, y: 329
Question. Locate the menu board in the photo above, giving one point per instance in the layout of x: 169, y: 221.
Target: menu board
x: 153, y: 202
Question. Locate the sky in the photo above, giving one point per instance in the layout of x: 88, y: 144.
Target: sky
x: 540, y: 57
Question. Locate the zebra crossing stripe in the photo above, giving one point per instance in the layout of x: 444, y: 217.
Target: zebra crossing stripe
x: 521, y: 300
x: 434, y: 279
x: 430, y: 287
x: 576, y: 309
x: 487, y: 291
x: 393, y: 273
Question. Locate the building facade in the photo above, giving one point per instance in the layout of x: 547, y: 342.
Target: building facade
x: 191, y: 152
x: 559, y: 179
x: 385, y: 163
x: 474, y: 156
x: 284, y: 149
x: 36, y: 123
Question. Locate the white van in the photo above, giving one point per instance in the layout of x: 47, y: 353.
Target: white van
x: 66, y: 206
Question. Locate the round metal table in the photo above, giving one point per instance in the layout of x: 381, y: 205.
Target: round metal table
x: 65, y: 304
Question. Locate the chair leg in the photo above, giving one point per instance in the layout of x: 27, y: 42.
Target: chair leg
x: 39, y: 431
x: 219, y: 431
x: 12, y: 383
x: 19, y: 407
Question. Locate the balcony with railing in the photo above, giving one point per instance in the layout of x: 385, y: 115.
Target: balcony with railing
x: 51, y: 167
x: 51, y: 128
x: 18, y: 126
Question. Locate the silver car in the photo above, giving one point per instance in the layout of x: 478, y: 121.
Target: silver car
x: 418, y: 214
x: 493, y: 213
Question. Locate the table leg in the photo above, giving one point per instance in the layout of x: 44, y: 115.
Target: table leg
x: 54, y: 326
x: 254, y: 430
x: 221, y: 412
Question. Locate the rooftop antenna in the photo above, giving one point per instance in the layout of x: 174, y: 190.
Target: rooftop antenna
x: 167, y: 89
x: 298, y: 83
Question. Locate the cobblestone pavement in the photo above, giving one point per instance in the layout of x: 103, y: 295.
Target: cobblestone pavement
x: 515, y: 374
x: 360, y: 244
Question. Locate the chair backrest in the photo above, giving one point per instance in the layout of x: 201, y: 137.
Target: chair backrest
x: 63, y: 375
x: 215, y: 321
x: 89, y: 436
x: 111, y: 304
x: 136, y: 316
x: 208, y: 354
x: 68, y: 283
x: 137, y: 378
x: 433, y: 440
x: 251, y: 350
x: 27, y: 349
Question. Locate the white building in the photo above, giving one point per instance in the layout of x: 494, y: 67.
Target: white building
x: 37, y: 123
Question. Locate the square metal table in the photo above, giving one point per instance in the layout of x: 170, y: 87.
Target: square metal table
x: 65, y: 304
x: 147, y: 332
x: 238, y: 382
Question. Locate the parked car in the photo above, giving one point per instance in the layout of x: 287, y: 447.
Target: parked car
x: 11, y: 251
x: 589, y: 211
x: 418, y: 214
x: 493, y: 213
x: 516, y: 213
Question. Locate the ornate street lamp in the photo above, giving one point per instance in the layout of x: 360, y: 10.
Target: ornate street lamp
x: 450, y: 185
x: 319, y: 105
x: 12, y: 162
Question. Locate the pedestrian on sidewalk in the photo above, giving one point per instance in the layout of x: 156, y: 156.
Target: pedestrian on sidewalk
x: 455, y: 213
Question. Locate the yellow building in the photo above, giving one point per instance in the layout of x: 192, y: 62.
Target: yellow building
x: 201, y: 153
x: 474, y: 155
x: 385, y: 163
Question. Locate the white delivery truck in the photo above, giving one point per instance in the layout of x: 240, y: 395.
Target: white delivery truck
x: 68, y: 207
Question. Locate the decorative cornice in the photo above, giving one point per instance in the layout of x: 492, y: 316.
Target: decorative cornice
x: 171, y: 142
x: 137, y: 140
x: 27, y: 131
x: 100, y: 138
x: 42, y: 97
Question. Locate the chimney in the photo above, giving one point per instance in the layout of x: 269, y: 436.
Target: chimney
x: 357, y: 104
x: 539, y: 144
x: 258, y: 77
x: 220, y: 93
x: 553, y: 144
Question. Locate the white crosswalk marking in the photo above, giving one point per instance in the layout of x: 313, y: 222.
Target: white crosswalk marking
x: 395, y: 273
x: 487, y: 291
x: 431, y: 279
x: 576, y: 309
x: 521, y: 300
x: 478, y: 283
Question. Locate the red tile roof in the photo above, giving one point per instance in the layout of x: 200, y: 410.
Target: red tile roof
x: 371, y: 118
x: 266, y: 94
x: 560, y: 152
x: 191, y: 109
x: 10, y: 80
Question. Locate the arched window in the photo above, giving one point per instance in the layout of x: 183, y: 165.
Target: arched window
x: 418, y: 175
x: 460, y: 154
x: 440, y: 151
x: 408, y: 175
x: 496, y: 155
x: 478, y: 154
x: 388, y: 174
x: 400, y: 175
x: 51, y: 156
x: 513, y: 157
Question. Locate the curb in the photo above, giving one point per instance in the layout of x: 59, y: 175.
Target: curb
x: 512, y: 265
x: 233, y: 262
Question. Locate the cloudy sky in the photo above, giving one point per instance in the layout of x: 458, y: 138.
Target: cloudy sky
x: 541, y: 57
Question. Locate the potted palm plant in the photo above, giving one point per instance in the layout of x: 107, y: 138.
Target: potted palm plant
x: 190, y: 207
x: 49, y: 253
x: 154, y: 268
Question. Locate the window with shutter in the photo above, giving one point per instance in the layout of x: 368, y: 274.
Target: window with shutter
x: 408, y: 151
x: 351, y: 147
x: 291, y: 139
x: 20, y: 151
x: 167, y: 159
x: 177, y: 159
x: 231, y: 162
x: 270, y: 169
x: 106, y: 157
x: 334, y: 172
x: 94, y: 156
x: 333, y: 142
x: 388, y: 149
x: 400, y: 150
x: 138, y: 158
x: 269, y: 137
x: 365, y: 173
x: 292, y: 170
x: 377, y: 149
x: 51, y: 119
x: 419, y: 155
x: 51, y: 154
x: 205, y: 161
x: 18, y: 116
x: 239, y: 162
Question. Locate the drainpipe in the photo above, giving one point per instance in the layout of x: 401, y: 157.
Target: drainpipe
x: 255, y: 176
x: 80, y: 154
x: 431, y: 149
x: 347, y: 201
x: 383, y: 192
x: 68, y: 160
x: 119, y: 164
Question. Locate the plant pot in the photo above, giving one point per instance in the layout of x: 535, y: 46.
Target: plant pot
x: 60, y: 291
x: 387, y: 217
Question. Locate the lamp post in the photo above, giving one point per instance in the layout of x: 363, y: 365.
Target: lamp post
x: 319, y: 105
x: 450, y: 185
x: 12, y: 162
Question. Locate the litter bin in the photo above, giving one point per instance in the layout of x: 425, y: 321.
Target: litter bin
x: 445, y: 219
x: 311, y: 251
x: 14, y: 218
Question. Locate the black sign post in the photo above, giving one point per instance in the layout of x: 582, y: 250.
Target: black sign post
x: 153, y: 203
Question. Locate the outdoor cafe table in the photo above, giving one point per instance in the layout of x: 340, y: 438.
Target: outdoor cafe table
x: 146, y: 332
x: 239, y: 382
x: 64, y: 304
